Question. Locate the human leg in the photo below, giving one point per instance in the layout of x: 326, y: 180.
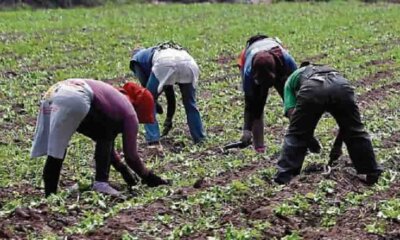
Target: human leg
x: 51, y: 174
x: 102, y: 158
x: 357, y: 140
x: 192, y: 113
x: 171, y: 107
x: 296, y: 141
x: 152, y: 129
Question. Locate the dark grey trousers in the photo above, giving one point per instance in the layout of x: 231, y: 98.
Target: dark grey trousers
x: 332, y: 94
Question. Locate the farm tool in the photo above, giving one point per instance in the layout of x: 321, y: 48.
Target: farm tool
x: 238, y: 144
x: 334, y: 155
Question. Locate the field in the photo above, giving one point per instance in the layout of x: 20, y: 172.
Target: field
x: 214, y: 195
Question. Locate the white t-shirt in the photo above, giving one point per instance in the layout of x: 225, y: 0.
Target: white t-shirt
x: 172, y: 66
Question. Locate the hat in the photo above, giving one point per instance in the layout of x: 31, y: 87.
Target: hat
x: 142, y: 101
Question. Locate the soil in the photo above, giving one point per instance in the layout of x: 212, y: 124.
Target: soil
x: 24, y: 220
x: 316, y: 58
x: 260, y: 209
x: 349, y: 225
x: 130, y: 219
x: 371, y: 79
x: 222, y: 78
x: 380, y: 47
x: 378, y: 94
x: 379, y: 62
x: 118, y: 81
x: 225, y: 59
x: 37, y: 68
x: 392, y: 141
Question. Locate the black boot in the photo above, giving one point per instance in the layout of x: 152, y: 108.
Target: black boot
x: 372, y: 178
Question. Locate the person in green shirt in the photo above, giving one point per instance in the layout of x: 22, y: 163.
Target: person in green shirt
x: 309, y: 92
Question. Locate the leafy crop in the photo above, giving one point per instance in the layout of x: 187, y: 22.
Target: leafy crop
x: 234, y: 197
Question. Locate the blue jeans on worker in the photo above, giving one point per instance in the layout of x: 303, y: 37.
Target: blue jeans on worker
x: 192, y: 113
x: 289, y: 61
x: 139, y: 73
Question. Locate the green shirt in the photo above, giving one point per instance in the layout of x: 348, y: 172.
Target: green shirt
x: 289, y: 94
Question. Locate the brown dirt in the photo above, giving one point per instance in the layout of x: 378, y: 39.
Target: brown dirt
x: 352, y: 222
x: 306, y: 183
x: 221, y: 78
x: 131, y: 218
x: 315, y: 58
x: 378, y: 94
x: 118, y: 81
x: 225, y: 59
x: 37, y: 68
x: 380, y: 47
x: 26, y: 220
x: 40, y: 219
x: 375, y: 77
x: 129, y: 221
x: 308, y: 223
x: 9, y: 193
x: 379, y: 62
x: 392, y: 141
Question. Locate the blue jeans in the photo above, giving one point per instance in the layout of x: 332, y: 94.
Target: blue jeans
x: 140, y: 75
x: 192, y: 113
x: 289, y: 61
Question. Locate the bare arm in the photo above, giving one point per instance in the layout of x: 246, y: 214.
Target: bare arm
x: 253, y: 116
x: 132, y: 158
x: 336, y: 150
x: 130, y: 178
x: 129, y: 137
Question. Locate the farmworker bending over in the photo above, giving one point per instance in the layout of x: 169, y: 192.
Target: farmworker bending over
x: 309, y: 92
x: 101, y: 112
x: 142, y: 72
x: 263, y: 63
x: 165, y: 65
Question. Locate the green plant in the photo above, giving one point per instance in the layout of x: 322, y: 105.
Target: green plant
x: 285, y: 209
x: 128, y: 236
x: 390, y: 209
x: 292, y: 236
x: 327, y: 186
x: 377, y: 227
x: 240, y: 234
x: 329, y: 216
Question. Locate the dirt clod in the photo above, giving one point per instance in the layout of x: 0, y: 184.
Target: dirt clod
x: 22, y: 213
x: 262, y: 213
x: 199, y: 183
